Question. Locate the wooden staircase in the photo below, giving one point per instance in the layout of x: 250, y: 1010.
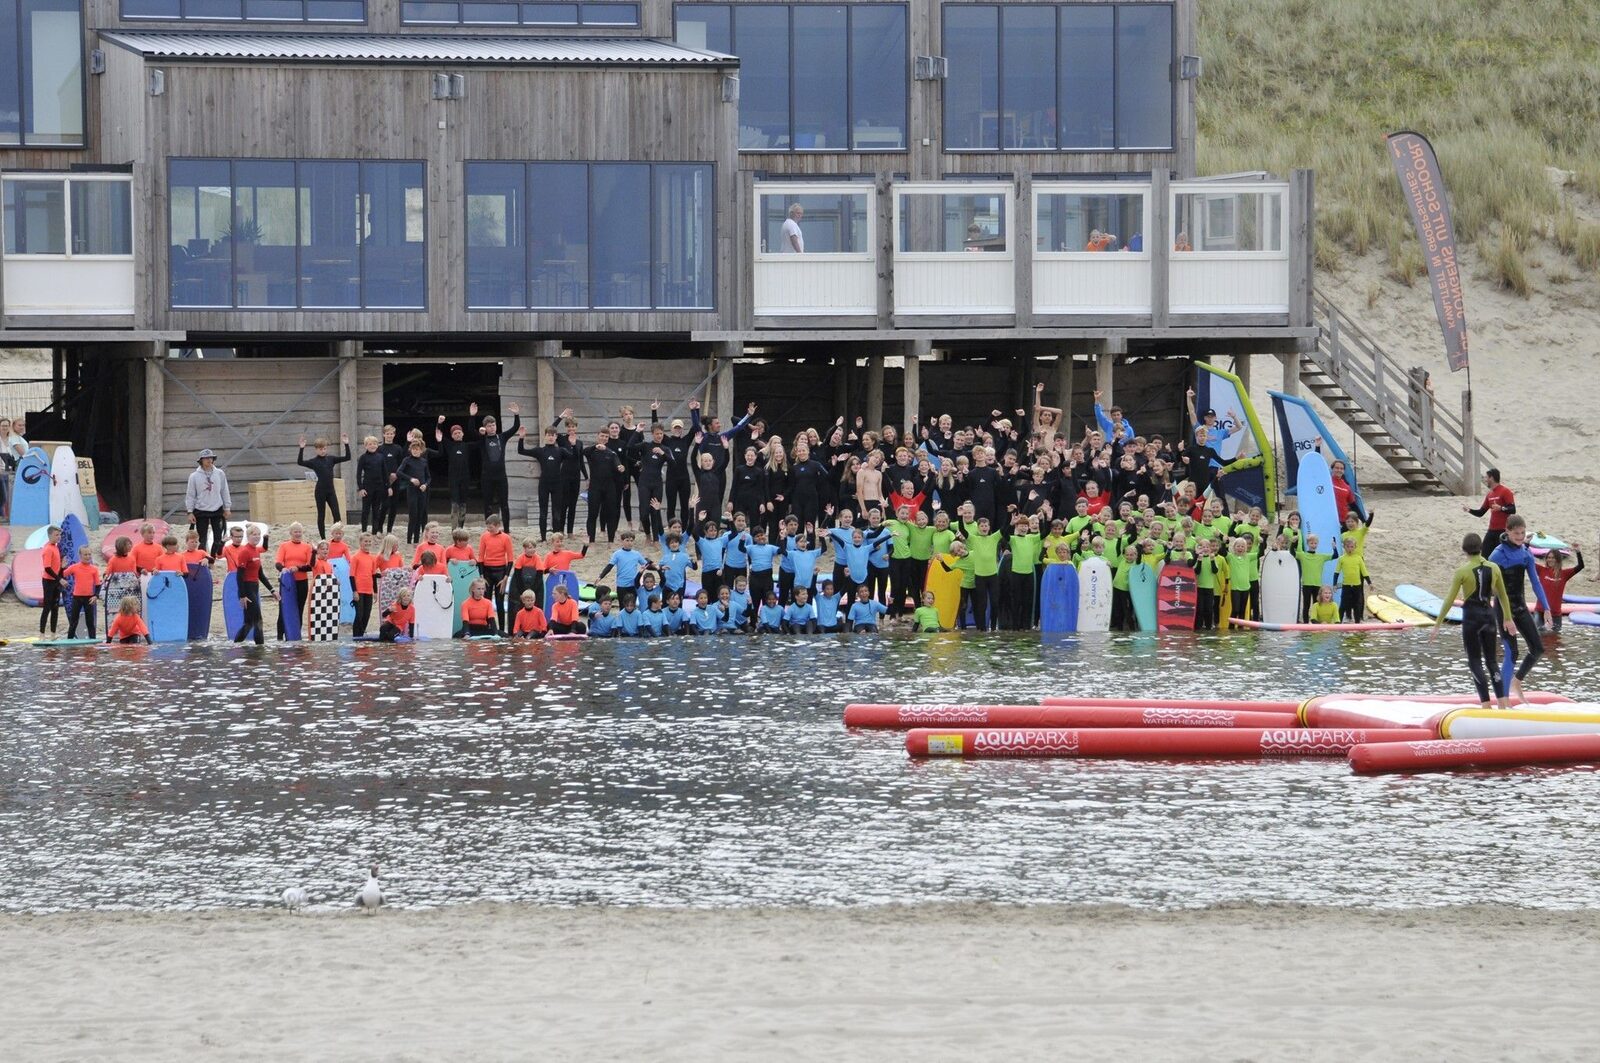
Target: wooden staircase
x: 1390, y: 407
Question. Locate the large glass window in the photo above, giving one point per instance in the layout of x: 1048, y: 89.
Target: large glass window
x: 279, y: 234
x: 830, y: 223
x: 36, y: 217
x: 101, y: 221
x: 813, y: 77
x: 72, y: 216
x: 1035, y: 77
x: 951, y: 222
x: 246, y: 10
x: 1088, y: 221
x: 41, y: 72
x: 512, y: 13
x: 1227, y: 220
x: 603, y: 235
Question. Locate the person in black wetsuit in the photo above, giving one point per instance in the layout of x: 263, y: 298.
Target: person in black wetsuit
x: 625, y: 436
x: 678, y: 480
x: 492, y: 471
x: 458, y: 467
x: 326, y: 494
x: 393, y: 454
x: 748, y: 481
x: 415, y: 475
x: 549, y: 455
x: 605, y: 474
x: 372, y: 485
x: 983, y: 485
x: 807, y: 491
x: 650, y: 458
x: 710, y: 483
x: 572, y: 471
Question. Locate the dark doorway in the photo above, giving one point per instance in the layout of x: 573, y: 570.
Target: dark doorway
x: 417, y: 394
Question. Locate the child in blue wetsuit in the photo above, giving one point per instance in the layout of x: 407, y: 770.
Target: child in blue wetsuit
x: 732, y: 612
x: 734, y: 558
x: 761, y: 554
x: 864, y: 612
x: 630, y: 618
x: 654, y: 622
x: 802, y: 561
x: 855, y: 549
x: 769, y: 618
x: 603, y: 623
x: 628, y: 563
x: 675, y: 562
x: 787, y: 533
x: 677, y: 617
x: 798, y: 619
x: 704, y: 618
x: 712, y: 548
x: 828, y: 607
x: 741, y: 598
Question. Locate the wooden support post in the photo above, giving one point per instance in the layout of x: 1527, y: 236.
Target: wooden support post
x: 155, y: 420
x: 1064, y: 391
x: 915, y: 350
x: 843, y: 366
x: 1104, y: 367
x: 727, y: 351
x: 349, y: 353
x: 1022, y: 251
x: 884, y: 203
x: 1241, y: 369
x: 874, y: 413
x: 546, y: 351
x: 1302, y: 205
x: 1469, y: 447
x: 1158, y: 241
x: 1291, y: 373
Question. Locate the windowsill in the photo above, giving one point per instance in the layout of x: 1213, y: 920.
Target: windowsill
x: 1058, y: 151
x: 825, y: 151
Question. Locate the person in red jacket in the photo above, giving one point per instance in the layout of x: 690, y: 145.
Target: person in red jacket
x: 84, y: 580
x: 53, y: 579
x: 1499, y: 504
x: 530, y: 622
x: 1553, y: 577
x: 129, y: 626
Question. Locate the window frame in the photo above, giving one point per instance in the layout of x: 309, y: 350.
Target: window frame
x: 1060, y: 149
x: 67, y: 179
x: 650, y: 167
x: 1005, y: 189
x: 519, y: 21
x: 22, y: 140
x: 1042, y: 189
x: 243, y: 19
x: 866, y: 191
x: 299, y: 247
x: 849, y: 65
x: 1276, y: 189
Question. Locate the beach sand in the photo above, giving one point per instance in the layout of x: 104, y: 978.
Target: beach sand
x: 933, y: 982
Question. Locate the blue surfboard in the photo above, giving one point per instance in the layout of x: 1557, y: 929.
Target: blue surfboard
x: 347, y: 593
x: 73, y: 536
x: 462, y: 576
x: 1319, y: 510
x: 166, y: 607
x: 199, y: 585
x: 30, y: 490
x: 1058, y: 599
x: 567, y: 579
x: 1142, y: 585
x: 232, y: 610
x: 289, y: 606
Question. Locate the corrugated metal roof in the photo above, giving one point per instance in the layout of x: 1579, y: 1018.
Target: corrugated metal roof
x: 394, y: 48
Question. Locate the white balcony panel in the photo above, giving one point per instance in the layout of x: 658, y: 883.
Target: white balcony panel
x: 955, y: 284
x: 1108, y: 283
x: 56, y: 286
x: 815, y: 286
x: 1238, y: 283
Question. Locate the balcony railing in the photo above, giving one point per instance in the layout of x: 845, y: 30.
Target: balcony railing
x: 68, y: 245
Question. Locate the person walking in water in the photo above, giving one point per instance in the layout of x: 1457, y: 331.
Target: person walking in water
x: 1481, y: 586
x: 1516, y: 564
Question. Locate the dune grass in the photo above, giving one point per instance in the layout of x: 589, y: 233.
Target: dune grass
x: 1503, y: 90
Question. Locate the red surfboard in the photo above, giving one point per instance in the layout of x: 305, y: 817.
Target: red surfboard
x: 27, y: 577
x: 1175, y: 598
x: 130, y: 528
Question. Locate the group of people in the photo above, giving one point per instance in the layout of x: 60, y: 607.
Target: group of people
x: 13, y: 448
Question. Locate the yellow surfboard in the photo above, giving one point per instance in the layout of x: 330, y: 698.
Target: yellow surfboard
x: 1394, y: 611
x: 946, y: 588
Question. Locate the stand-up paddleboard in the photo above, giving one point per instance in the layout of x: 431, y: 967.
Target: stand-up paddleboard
x: 61, y: 644
x: 232, y: 607
x: 1578, y: 599
x: 347, y: 590
x: 66, y: 497
x: 199, y: 583
x: 1319, y: 510
x: 117, y: 586
x: 1425, y: 602
x: 462, y: 575
x: 1058, y: 599
x: 246, y: 525
x: 129, y: 529
x: 1094, y: 595
x: 166, y: 607
x: 1394, y: 611
x: 1586, y: 619
x: 5, y: 576
x: 1176, y: 595
x: 322, y: 612
x: 570, y: 581
x: 946, y: 588
x: 30, y: 490
x: 27, y: 577
x: 288, y: 607
x: 1259, y: 625
x: 1142, y: 582
x: 1280, y: 587
x: 390, y: 583
x: 436, y: 607
x: 74, y: 537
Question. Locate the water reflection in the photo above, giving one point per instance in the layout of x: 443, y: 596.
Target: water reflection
x: 716, y: 773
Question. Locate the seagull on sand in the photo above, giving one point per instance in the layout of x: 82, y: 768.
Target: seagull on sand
x: 370, y: 895
x: 294, y: 897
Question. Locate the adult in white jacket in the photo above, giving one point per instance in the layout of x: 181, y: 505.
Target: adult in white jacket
x: 208, y: 501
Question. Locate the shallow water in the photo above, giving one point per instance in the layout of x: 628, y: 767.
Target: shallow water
x: 716, y: 772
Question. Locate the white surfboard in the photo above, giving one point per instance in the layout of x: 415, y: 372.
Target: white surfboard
x: 65, y: 495
x: 1280, y: 587
x: 1094, y: 595
x: 435, y: 603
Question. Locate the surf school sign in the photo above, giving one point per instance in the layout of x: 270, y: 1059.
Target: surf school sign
x: 1423, y: 185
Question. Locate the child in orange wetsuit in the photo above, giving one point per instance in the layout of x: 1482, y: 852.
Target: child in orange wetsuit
x: 494, y: 562
x: 477, y: 613
x: 563, y: 613
x: 170, y: 560
x: 337, y: 547
x: 146, y: 550
x: 399, y: 620
x: 84, y: 580
x: 430, y: 541
x: 389, y: 555
x: 364, y: 568
x: 192, y: 554
x: 527, y: 574
x: 530, y: 622
x: 428, y: 564
x: 129, y: 626
x: 294, y: 555
x: 320, y: 566
x: 459, y: 549
x: 53, y: 581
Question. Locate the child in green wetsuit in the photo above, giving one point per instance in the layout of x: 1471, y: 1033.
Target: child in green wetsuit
x: 1206, y: 607
x: 1122, y: 615
x: 1020, y: 579
x: 1324, y: 610
x: 983, y: 545
x: 926, y: 618
x: 961, y: 562
x: 1311, y: 562
x: 1355, y: 581
x: 1242, y: 569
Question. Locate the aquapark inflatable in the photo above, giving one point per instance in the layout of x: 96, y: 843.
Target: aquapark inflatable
x: 904, y: 717
x: 1245, y: 705
x: 1377, y: 710
x: 1148, y: 742
x: 1555, y: 719
x: 1453, y: 753
x: 1368, y: 625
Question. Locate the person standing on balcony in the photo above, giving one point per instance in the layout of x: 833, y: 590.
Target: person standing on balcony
x: 792, y: 239
x: 1499, y: 504
x: 208, y: 500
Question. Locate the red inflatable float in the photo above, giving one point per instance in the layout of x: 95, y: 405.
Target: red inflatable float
x: 1244, y: 705
x: 1449, y: 753
x: 1146, y: 742
x: 1391, y: 710
x: 901, y: 717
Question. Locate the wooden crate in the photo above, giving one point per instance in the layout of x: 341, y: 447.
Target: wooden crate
x: 279, y: 502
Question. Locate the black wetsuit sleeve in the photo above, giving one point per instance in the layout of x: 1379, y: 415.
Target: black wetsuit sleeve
x: 525, y: 450
x: 335, y: 461
x: 1579, y: 554
x: 300, y: 459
